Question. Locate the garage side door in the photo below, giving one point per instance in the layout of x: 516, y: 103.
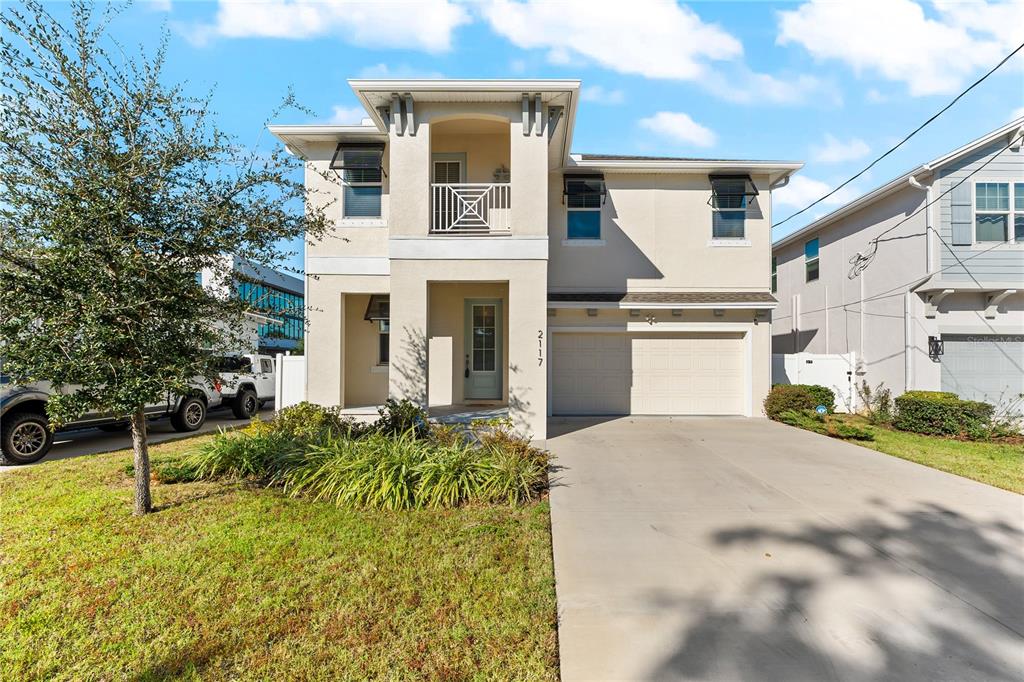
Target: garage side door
x: 656, y: 374
x: 983, y: 366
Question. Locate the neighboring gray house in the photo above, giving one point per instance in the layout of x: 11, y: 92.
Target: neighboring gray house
x: 936, y: 303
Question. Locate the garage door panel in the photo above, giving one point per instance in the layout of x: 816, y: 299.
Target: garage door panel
x: 648, y: 374
x: 986, y: 367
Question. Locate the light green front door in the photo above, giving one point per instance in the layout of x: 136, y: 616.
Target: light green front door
x: 483, y: 364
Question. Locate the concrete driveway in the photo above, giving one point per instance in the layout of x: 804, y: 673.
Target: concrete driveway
x: 741, y: 549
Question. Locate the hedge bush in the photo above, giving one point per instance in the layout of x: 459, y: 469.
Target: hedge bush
x: 939, y: 413
x: 797, y: 397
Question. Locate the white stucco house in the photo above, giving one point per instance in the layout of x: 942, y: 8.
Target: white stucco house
x: 475, y: 261
x: 923, y: 277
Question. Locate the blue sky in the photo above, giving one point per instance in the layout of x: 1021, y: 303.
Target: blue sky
x: 832, y: 84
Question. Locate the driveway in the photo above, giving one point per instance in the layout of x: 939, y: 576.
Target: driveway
x: 742, y: 549
x: 93, y: 441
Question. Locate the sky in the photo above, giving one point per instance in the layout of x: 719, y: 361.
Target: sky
x: 833, y: 84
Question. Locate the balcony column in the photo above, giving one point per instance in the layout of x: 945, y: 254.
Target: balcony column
x: 407, y: 374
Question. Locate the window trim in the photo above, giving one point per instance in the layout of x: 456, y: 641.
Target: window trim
x: 1011, y: 212
x: 809, y: 261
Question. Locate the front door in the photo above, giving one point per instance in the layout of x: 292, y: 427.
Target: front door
x: 483, y: 364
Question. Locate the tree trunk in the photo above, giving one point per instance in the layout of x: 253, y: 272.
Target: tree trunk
x: 140, y: 444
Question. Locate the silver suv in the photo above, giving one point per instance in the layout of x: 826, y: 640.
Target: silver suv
x: 25, y: 434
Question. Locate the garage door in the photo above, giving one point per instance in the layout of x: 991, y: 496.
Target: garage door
x: 648, y: 374
x: 985, y: 367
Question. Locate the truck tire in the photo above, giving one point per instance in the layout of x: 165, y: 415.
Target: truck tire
x: 191, y: 414
x: 245, y: 404
x: 25, y: 438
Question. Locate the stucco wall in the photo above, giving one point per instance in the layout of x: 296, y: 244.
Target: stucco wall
x: 366, y: 382
x: 484, y: 152
x: 657, y: 230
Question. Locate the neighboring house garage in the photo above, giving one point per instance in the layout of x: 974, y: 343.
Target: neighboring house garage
x: 988, y: 367
x: 656, y: 354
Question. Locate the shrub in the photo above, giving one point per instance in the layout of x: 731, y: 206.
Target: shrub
x: 400, y: 416
x: 450, y: 476
x: 939, y: 413
x: 876, y: 404
x: 803, y: 419
x: 837, y: 428
x: 306, y: 421
x: 511, y: 477
x: 167, y: 471
x: 797, y: 397
x: 242, y: 455
x: 826, y: 425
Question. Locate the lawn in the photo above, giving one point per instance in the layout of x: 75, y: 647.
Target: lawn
x: 226, y: 581
x: 998, y: 464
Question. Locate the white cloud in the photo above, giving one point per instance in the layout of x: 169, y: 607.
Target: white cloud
x: 679, y: 127
x: 602, y: 95
x: 834, y: 150
x: 802, y: 190
x: 896, y: 40
x: 425, y: 25
x: 653, y: 38
x: 347, y: 115
x: 517, y: 66
x: 744, y: 86
x: 383, y: 70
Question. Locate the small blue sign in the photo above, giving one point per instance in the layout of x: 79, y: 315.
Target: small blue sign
x: 821, y: 409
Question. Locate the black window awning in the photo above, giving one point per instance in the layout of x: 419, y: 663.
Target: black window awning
x: 366, y: 156
x: 731, y: 191
x: 379, y: 308
x: 584, y: 189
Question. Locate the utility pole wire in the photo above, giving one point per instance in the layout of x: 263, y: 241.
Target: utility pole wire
x: 901, y: 142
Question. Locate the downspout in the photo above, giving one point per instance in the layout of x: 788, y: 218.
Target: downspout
x: 908, y: 343
x: 928, y: 240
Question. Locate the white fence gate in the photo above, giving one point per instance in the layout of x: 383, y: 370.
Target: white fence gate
x: 291, y: 380
x: 837, y: 371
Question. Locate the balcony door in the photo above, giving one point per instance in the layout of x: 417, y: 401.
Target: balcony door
x: 448, y: 169
x: 484, y: 368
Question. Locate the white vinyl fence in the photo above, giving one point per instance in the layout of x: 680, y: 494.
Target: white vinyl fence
x: 838, y: 372
x: 291, y: 380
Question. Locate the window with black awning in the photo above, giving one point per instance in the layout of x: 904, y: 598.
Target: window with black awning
x: 584, y: 191
x: 379, y: 308
x: 731, y: 191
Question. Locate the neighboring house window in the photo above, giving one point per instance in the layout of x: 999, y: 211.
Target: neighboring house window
x: 383, y: 341
x: 361, y: 178
x: 775, y: 274
x: 729, y: 206
x: 583, y: 198
x: 811, y: 260
x: 1018, y: 212
x: 992, y: 213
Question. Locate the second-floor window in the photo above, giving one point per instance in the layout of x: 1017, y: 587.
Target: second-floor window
x: 729, y: 206
x: 998, y: 211
x: 583, y: 199
x: 811, y: 260
x: 775, y: 274
x: 362, y: 179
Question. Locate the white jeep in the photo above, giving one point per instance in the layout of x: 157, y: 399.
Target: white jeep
x: 247, y: 382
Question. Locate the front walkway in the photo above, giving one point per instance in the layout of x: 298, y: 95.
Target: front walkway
x: 741, y: 549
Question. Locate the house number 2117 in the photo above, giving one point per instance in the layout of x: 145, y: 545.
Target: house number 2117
x: 540, y: 348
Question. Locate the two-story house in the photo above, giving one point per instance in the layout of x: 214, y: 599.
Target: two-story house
x: 923, y: 277
x: 476, y: 261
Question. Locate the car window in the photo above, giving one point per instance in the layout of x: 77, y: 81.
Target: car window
x: 233, y: 363
x: 267, y: 365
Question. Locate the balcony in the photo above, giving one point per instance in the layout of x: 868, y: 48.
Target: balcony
x: 470, y: 208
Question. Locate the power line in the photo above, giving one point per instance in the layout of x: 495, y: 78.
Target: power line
x: 901, y: 142
x: 860, y: 261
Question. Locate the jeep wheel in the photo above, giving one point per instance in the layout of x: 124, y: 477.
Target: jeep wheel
x: 190, y: 415
x: 245, y: 404
x: 26, y: 438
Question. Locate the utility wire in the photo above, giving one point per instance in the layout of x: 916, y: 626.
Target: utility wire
x: 901, y: 142
x: 860, y: 261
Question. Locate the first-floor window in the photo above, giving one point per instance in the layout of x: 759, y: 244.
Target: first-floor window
x: 811, y: 260
x: 383, y: 341
x: 775, y: 274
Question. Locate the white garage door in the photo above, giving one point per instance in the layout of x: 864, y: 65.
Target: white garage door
x: 648, y: 373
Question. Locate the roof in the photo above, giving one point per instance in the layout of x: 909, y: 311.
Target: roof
x: 1012, y: 128
x: 667, y: 299
x: 623, y: 163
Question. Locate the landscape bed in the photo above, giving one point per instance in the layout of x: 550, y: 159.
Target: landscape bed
x: 229, y: 579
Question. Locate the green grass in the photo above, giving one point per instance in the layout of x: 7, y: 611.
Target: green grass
x: 227, y: 581
x: 998, y: 464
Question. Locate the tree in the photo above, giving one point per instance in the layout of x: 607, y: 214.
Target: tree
x: 116, y: 191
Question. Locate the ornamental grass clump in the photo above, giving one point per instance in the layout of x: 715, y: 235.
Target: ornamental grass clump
x: 242, y: 454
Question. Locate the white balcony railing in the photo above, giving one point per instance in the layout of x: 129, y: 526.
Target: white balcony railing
x: 470, y: 208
